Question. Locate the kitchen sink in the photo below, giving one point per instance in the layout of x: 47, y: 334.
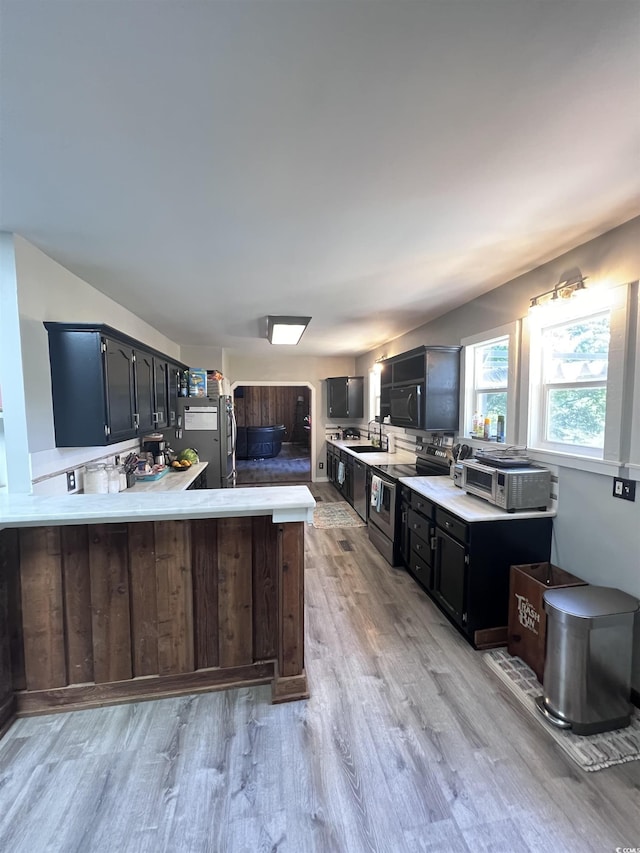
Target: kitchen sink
x: 365, y: 448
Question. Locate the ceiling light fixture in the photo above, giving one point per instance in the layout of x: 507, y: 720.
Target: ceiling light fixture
x: 286, y: 331
x: 571, y: 284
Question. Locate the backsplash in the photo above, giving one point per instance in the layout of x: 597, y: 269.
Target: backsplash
x: 49, y: 468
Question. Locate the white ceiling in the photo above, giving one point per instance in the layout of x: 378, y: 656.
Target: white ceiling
x: 369, y: 164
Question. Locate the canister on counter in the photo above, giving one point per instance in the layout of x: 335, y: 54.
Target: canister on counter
x: 96, y: 481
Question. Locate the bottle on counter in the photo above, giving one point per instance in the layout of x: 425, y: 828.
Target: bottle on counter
x: 477, y: 424
x: 500, y: 428
x: 487, y: 427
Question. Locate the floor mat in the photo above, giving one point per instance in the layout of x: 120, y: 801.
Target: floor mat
x: 591, y: 752
x: 336, y: 515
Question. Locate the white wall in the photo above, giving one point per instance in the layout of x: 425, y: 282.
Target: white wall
x: 15, y: 471
x: 277, y: 368
x: 47, y: 291
x: 210, y: 358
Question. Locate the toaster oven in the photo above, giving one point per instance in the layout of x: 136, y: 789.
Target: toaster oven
x: 510, y: 489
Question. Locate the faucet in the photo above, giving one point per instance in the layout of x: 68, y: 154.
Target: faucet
x: 381, y: 435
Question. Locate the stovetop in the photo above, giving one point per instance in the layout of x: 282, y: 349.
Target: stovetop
x: 432, y: 462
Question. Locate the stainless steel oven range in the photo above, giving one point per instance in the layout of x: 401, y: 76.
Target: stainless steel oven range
x: 384, y: 512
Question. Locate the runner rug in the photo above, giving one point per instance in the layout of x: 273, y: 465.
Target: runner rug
x: 336, y: 515
x: 591, y: 752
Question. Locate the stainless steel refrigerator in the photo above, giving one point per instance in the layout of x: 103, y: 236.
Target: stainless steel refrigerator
x: 208, y: 425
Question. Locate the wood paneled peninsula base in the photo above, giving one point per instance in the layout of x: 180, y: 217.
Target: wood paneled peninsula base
x: 113, y: 598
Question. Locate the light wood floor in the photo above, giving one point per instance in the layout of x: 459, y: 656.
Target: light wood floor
x: 408, y: 743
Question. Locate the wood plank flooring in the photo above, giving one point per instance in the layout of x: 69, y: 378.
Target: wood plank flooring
x: 408, y: 743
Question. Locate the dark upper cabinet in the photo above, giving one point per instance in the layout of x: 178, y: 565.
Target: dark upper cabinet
x: 161, y: 392
x: 143, y: 363
x: 345, y: 397
x: 119, y: 393
x: 174, y: 371
x: 106, y: 387
x: 436, y: 370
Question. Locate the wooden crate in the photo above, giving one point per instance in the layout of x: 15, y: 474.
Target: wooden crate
x: 527, y: 619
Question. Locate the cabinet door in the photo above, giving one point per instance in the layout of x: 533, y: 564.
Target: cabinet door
x: 442, y: 389
x: 160, y: 393
x: 450, y: 571
x: 337, y: 403
x: 173, y: 389
x: 119, y: 385
x: 385, y: 390
x: 144, y: 391
x: 355, y: 397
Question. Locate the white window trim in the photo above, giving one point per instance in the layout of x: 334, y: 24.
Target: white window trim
x: 602, y: 461
x: 512, y: 332
x: 632, y: 413
x: 374, y: 392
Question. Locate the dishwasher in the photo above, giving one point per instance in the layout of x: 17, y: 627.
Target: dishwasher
x: 359, y: 486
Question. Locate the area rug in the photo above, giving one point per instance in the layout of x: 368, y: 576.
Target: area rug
x: 336, y: 515
x: 591, y: 752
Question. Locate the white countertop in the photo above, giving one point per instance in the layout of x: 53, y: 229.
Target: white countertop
x: 440, y: 490
x: 400, y: 457
x: 282, y: 503
x: 443, y: 492
x: 173, y: 481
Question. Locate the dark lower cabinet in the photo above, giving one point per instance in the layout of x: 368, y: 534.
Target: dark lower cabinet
x: 416, y: 536
x: 449, y: 576
x: 200, y: 482
x: 464, y: 566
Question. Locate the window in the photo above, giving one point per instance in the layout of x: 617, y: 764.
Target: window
x: 575, y: 357
x: 576, y: 375
x: 490, y: 380
x: 374, y: 392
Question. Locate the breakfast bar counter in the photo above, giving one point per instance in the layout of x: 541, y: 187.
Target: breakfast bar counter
x: 115, y: 598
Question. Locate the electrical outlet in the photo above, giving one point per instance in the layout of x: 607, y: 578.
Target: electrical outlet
x: 321, y: 465
x: 624, y: 489
x: 71, y: 480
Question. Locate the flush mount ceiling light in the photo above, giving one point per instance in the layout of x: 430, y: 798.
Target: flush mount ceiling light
x: 571, y: 284
x: 286, y: 330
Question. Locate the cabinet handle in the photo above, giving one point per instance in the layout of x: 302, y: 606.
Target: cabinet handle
x: 136, y: 420
x: 448, y: 524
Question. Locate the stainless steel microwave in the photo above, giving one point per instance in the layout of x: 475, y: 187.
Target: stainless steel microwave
x: 406, y: 406
x: 508, y: 488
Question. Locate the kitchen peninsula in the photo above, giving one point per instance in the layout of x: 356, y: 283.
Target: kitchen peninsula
x: 112, y: 598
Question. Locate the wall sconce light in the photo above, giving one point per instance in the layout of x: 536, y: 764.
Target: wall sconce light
x: 570, y: 285
x: 377, y: 366
x: 286, y: 330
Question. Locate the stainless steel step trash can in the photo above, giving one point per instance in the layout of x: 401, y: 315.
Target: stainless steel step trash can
x: 587, y: 671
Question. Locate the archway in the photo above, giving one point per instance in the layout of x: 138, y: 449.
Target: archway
x: 269, y: 403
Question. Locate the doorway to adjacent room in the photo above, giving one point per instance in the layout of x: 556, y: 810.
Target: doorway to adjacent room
x: 273, y: 405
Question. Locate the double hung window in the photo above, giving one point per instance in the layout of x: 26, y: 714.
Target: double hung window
x: 577, y: 374
x: 490, y: 365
